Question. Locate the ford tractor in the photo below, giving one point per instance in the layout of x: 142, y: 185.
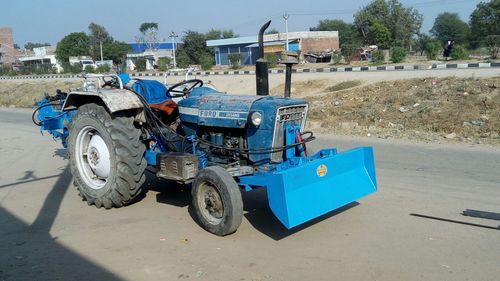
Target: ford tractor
x: 116, y: 128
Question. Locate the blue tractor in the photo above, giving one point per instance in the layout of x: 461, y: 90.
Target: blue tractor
x: 220, y: 144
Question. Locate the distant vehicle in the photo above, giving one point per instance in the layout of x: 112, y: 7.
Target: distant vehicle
x: 86, y: 63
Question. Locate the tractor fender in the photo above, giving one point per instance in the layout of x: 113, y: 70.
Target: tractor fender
x: 114, y: 99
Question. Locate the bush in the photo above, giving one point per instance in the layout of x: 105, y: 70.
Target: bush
x: 272, y: 60
x: 89, y: 69
x: 336, y: 58
x: 206, y: 62
x: 140, y: 64
x: 378, y: 57
x: 103, y: 68
x: 492, y: 42
x: 38, y: 69
x: 71, y: 68
x: 235, y: 60
x: 432, y: 49
x: 459, y: 52
x: 398, y: 54
x: 347, y: 52
x: 163, y: 63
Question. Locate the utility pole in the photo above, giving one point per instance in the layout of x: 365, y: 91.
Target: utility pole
x: 100, y: 45
x: 173, y: 36
x: 286, y: 16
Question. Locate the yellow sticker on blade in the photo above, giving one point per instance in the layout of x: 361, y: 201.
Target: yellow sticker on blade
x: 321, y: 170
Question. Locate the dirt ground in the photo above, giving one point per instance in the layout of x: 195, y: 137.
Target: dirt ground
x: 427, y: 109
x: 432, y: 109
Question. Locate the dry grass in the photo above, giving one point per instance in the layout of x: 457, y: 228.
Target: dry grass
x: 425, y: 109
x: 26, y: 94
x: 344, y: 85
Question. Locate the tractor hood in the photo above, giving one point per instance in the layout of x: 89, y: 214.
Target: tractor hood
x: 207, y: 107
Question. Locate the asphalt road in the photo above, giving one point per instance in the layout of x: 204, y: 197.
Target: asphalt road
x: 48, y: 233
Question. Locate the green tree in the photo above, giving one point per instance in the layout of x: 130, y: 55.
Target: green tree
x: 214, y: 34
x: 97, y: 36
x: 193, y: 49
x: 403, y: 23
x: 73, y: 44
x: 484, y: 22
x: 449, y: 26
x: 149, y: 35
x: 16, y: 46
x: 111, y: 49
x: 421, y: 41
x: 31, y: 45
x: 380, y: 35
x: 347, y: 31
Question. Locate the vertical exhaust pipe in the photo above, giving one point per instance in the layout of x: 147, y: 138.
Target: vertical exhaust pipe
x: 261, y: 68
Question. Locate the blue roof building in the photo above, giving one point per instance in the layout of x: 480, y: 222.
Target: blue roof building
x: 141, y: 47
x: 308, y: 41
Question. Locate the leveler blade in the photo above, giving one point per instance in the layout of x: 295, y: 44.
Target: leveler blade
x: 307, y: 191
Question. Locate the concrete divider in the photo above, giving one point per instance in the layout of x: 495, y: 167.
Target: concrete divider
x: 279, y: 71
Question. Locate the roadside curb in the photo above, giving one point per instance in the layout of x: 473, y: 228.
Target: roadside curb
x: 279, y: 71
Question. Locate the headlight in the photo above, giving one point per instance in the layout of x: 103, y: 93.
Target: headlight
x: 256, y: 118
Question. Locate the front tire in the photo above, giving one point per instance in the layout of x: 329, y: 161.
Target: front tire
x: 217, y: 201
x: 106, y: 157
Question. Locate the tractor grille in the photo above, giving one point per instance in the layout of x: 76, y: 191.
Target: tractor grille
x: 295, y: 114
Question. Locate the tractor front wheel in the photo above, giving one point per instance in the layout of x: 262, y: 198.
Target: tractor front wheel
x: 217, y: 201
x: 106, y: 156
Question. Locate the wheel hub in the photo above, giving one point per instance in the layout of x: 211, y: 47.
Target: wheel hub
x: 92, y: 157
x: 212, y: 206
x: 98, y: 157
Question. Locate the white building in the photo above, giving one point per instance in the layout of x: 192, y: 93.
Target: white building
x: 42, y: 55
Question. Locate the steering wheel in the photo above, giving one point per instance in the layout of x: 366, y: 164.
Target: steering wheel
x: 188, y: 86
x: 112, y: 83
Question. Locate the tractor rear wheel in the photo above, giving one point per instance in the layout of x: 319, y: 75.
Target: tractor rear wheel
x: 217, y: 201
x: 106, y: 156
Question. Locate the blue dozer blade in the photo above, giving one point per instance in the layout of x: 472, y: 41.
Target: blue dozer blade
x: 307, y: 191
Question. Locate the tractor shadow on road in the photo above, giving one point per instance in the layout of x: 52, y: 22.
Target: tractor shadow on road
x: 255, y: 206
x: 168, y: 192
x: 30, y: 252
x: 260, y: 216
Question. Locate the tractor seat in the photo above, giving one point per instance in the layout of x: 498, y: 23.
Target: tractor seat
x: 155, y: 93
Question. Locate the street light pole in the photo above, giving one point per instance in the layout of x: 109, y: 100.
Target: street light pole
x: 173, y: 36
x: 286, y: 16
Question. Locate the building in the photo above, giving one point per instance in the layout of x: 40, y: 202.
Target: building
x: 150, y: 53
x: 42, y: 55
x: 8, y: 54
x: 305, y: 42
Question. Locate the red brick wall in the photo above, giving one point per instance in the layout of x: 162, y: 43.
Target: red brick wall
x: 7, y: 45
x: 309, y: 45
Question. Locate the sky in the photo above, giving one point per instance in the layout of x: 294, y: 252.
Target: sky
x: 51, y: 20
